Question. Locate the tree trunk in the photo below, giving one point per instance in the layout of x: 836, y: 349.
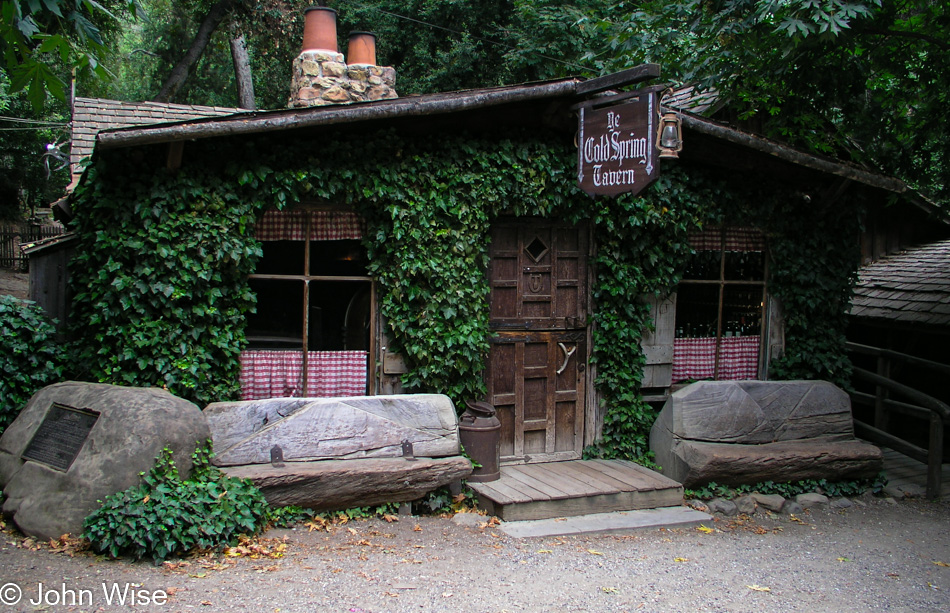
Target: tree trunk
x: 242, y: 72
x: 180, y: 72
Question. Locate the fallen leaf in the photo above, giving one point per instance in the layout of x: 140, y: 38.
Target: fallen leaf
x: 759, y: 588
x: 845, y: 560
x: 609, y: 590
x: 704, y: 529
x: 206, y: 603
x: 417, y: 528
x: 681, y: 559
x: 390, y: 518
x: 545, y: 551
x: 944, y: 564
x: 352, y: 530
x: 198, y: 576
x: 594, y: 552
x: 447, y: 594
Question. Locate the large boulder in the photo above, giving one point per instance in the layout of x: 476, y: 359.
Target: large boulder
x: 86, y: 441
x: 308, y: 429
x: 746, y: 432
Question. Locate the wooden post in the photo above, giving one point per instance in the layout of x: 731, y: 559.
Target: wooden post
x: 175, y: 151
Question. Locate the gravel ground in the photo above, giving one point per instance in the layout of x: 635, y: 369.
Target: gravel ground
x: 876, y: 555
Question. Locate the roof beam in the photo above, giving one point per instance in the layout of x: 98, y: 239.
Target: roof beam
x: 632, y: 76
x: 807, y: 160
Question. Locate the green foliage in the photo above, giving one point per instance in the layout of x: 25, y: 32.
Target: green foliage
x: 166, y: 515
x: 30, y: 357
x: 161, y: 289
x: 286, y: 517
x: 642, y: 246
x: 40, y: 41
x: 867, y: 75
x: 813, y: 265
x: 833, y: 489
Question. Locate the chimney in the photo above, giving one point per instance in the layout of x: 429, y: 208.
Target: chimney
x: 321, y: 76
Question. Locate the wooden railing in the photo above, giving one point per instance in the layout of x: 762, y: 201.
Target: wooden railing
x: 919, y: 405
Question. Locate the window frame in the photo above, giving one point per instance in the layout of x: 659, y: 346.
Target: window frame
x: 722, y: 283
x: 306, y: 278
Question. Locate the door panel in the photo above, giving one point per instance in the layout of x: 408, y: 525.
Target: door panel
x: 537, y: 387
x: 538, y: 276
x: 537, y: 366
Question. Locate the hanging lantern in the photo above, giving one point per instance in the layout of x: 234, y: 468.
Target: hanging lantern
x: 670, y: 136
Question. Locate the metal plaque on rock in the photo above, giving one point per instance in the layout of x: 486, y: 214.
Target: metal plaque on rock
x: 58, y: 440
x: 617, y: 146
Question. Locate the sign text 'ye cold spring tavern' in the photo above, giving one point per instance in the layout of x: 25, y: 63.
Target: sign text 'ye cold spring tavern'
x: 617, y: 147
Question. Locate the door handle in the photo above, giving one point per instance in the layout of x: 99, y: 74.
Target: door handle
x: 567, y: 356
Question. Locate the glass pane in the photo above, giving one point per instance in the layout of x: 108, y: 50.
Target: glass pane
x: 703, y: 265
x: 281, y: 258
x: 345, y: 258
x: 339, y: 315
x: 745, y: 266
x: 742, y: 310
x: 278, y: 322
x: 697, y: 307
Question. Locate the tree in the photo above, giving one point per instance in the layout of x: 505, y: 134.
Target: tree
x: 435, y: 45
x: 862, y: 80
x: 43, y: 41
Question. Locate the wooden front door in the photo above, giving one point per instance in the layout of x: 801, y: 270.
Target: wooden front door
x: 538, y: 361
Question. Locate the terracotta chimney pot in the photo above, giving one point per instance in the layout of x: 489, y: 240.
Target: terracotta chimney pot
x: 319, y: 29
x: 361, y: 48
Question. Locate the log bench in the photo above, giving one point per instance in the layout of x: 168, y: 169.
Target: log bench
x: 747, y: 432
x: 336, y: 453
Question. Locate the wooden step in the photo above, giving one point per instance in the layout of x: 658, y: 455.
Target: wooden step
x: 575, y: 487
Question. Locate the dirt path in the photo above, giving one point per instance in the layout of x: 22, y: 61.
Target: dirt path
x: 873, y: 556
x: 14, y: 283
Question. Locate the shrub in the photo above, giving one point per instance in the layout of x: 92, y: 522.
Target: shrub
x: 166, y: 515
x: 30, y: 357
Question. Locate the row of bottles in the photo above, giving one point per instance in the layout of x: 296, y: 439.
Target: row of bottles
x: 740, y: 326
x: 739, y: 266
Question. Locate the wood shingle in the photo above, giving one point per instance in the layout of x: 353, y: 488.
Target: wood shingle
x: 912, y: 286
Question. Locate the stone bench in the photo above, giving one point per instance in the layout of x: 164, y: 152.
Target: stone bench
x: 747, y: 432
x: 334, y: 453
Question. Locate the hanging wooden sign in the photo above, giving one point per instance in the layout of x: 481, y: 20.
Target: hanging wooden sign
x: 616, y: 148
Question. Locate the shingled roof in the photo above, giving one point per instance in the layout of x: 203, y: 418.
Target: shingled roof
x: 91, y: 115
x: 909, y: 287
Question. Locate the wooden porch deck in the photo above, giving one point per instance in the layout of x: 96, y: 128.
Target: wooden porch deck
x: 576, y: 487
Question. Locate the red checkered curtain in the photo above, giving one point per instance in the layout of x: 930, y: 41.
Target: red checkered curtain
x: 278, y: 374
x: 737, y: 239
x: 695, y: 358
x: 744, y: 239
x: 271, y: 374
x: 739, y: 358
x: 336, y: 373
x: 706, y: 240
x: 324, y: 225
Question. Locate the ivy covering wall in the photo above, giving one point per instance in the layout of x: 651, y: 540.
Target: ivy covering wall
x: 160, y: 276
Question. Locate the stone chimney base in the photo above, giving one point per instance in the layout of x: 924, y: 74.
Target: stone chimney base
x: 322, y: 77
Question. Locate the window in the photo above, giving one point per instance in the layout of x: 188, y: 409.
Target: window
x: 311, y: 333
x: 719, y: 306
